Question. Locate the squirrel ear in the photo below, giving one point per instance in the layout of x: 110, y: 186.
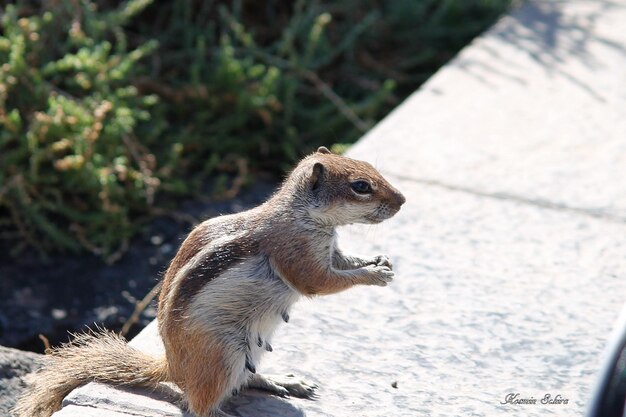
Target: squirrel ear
x: 323, y: 149
x: 317, y: 175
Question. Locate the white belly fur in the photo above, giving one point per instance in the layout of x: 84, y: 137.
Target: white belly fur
x: 239, y: 306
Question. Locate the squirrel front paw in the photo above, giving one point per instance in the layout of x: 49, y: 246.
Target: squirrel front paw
x: 382, y: 260
x: 379, y: 275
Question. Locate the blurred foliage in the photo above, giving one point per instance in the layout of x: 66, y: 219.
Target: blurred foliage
x: 106, y: 106
x: 72, y: 171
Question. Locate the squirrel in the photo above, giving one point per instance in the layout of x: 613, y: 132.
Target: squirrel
x: 229, y: 286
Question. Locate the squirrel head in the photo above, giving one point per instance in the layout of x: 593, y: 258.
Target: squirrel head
x: 341, y: 190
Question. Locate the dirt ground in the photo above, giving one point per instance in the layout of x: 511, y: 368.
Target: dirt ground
x: 67, y: 293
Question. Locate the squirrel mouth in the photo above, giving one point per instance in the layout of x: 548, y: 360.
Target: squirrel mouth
x: 375, y: 219
x: 380, y: 216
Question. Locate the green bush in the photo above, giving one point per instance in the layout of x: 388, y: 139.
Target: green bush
x: 73, y: 172
x: 107, y: 109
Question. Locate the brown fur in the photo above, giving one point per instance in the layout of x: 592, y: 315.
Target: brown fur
x: 293, y: 251
x: 299, y: 264
x: 198, y: 369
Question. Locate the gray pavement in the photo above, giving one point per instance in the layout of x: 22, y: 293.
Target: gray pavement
x: 509, y: 254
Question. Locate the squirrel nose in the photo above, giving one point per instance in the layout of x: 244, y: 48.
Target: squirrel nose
x: 400, y: 198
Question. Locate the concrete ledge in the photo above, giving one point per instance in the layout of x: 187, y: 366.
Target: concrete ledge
x: 532, y: 111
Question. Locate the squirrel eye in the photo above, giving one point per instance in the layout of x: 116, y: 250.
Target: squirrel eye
x: 361, y: 187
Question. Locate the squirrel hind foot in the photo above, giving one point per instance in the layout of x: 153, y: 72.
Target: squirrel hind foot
x: 289, y: 385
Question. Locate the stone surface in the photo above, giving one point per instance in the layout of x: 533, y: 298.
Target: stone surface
x: 509, y: 253
x: 14, y: 365
x: 142, y: 402
x: 77, y: 411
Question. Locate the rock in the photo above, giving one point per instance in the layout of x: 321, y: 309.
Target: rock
x: 14, y: 365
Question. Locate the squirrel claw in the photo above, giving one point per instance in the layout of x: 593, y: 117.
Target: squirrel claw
x: 383, y: 260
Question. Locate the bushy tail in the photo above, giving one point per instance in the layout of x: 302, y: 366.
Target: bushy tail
x: 95, y: 356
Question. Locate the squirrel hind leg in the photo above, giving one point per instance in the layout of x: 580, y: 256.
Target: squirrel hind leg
x: 288, y: 385
x: 205, y: 395
x: 204, y: 376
